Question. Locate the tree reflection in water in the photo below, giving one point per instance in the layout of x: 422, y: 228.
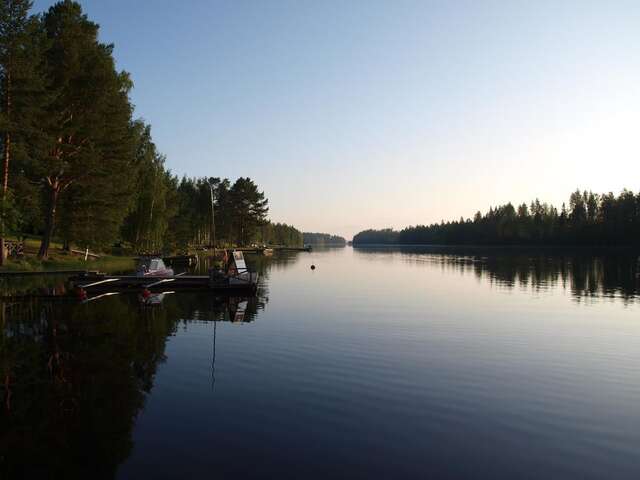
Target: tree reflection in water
x: 586, y: 273
x: 75, y: 377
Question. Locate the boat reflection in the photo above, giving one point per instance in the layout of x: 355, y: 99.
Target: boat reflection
x: 148, y: 299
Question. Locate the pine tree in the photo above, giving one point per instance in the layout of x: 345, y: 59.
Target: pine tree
x: 21, y: 93
x: 91, y: 103
x: 95, y: 207
x: 249, y: 209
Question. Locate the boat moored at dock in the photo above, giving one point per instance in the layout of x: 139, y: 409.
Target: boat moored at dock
x: 153, y: 267
x: 233, y: 277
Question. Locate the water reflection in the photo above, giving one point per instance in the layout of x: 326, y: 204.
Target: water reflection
x: 34, y: 285
x: 75, y: 376
x: 264, y: 265
x: 585, y: 273
x: 375, y: 351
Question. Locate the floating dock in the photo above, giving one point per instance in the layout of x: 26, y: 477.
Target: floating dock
x: 262, y: 250
x: 10, y: 273
x: 242, y: 283
x: 171, y: 260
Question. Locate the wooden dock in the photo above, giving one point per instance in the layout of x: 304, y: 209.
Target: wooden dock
x: 181, y: 259
x: 172, y: 259
x: 10, y: 273
x: 261, y: 250
x: 190, y: 282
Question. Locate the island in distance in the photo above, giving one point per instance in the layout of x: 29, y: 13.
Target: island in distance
x: 323, y: 240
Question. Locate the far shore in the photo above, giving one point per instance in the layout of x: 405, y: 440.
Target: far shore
x: 503, y: 247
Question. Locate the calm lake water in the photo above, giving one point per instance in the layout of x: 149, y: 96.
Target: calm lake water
x: 381, y: 363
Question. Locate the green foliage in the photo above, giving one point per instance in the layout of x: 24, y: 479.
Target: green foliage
x: 249, y: 207
x: 386, y: 236
x: 88, y: 131
x: 22, y: 43
x: 21, y: 92
x: 81, y: 168
x: 591, y: 219
x: 279, y: 234
x: 323, y: 239
x: 154, y: 194
x: 10, y: 217
x: 240, y: 211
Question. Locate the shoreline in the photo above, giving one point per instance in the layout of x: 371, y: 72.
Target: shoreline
x: 30, y: 265
x: 502, y: 247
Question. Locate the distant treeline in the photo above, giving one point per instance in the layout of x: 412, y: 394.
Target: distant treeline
x: 325, y: 239
x: 280, y: 234
x: 78, y: 168
x: 590, y: 219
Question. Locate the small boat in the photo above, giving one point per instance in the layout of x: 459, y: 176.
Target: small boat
x: 234, y: 276
x: 153, y: 267
x: 235, y: 269
x: 267, y: 252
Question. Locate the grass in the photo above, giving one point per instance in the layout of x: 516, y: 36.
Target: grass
x: 61, y: 260
x: 67, y: 262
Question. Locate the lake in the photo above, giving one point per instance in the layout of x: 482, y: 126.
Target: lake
x: 380, y: 363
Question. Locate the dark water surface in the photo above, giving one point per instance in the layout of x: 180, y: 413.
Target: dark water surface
x: 381, y: 363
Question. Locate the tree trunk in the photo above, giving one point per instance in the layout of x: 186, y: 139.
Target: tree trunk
x: 6, y: 157
x: 50, y: 221
x: 7, y: 135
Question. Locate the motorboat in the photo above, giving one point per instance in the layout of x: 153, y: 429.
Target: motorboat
x: 153, y: 274
x: 153, y: 267
x: 235, y: 271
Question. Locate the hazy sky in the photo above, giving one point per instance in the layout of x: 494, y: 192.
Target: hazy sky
x: 355, y: 114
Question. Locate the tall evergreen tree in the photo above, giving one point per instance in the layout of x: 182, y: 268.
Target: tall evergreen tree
x: 21, y: 92
x: 87, y: 90
x: 249, y: 207
x: 94, y: 208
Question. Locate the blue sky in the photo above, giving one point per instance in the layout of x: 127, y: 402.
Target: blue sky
x: 356, y: 114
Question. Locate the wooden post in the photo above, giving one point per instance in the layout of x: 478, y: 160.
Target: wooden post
x: 213, y: 220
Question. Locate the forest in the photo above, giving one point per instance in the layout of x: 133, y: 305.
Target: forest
x: 79, y: 169
x: 590, y: 220
x: 323, y: 239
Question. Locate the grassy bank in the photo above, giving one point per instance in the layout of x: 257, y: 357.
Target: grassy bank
x: 61, y: 260
x: 67, y: 262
